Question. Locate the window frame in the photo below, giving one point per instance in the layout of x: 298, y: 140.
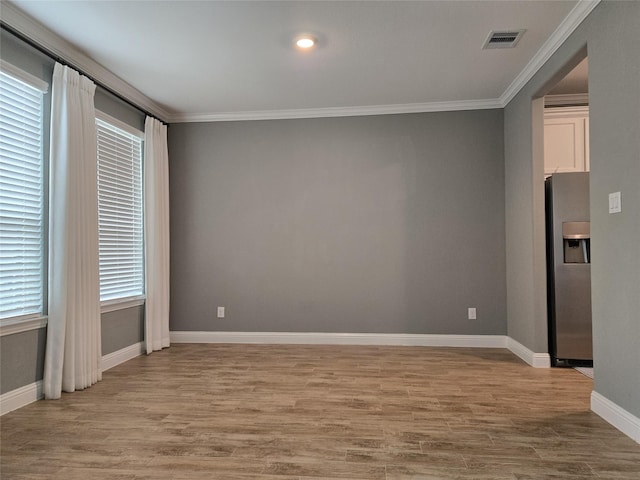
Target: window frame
x: 32, y: 321
x: 121, y: 303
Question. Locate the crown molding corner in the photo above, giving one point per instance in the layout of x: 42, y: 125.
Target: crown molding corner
x: 22, y: 23
x: 582, y: 9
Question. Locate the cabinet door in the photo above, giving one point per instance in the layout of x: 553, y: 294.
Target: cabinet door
x: 564, y: 145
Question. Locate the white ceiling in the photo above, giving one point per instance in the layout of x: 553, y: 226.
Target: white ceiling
x: 208, y: 60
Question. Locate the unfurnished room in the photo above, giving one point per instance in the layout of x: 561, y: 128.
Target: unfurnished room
x: 305, y: 240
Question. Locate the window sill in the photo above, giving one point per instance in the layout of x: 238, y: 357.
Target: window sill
x: 121, y: 304
x: 12, y: 326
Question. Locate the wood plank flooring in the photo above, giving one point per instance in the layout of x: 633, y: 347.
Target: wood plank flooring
x: 247, y: 412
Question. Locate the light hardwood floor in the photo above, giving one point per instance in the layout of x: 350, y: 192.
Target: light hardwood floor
x: 240, y: 412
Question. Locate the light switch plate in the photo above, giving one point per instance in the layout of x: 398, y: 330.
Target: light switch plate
x: 220, y: 312
x: 472, y: 313
x: 615, y: 203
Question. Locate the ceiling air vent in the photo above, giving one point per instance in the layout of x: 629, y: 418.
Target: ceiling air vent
x: 503, y: 39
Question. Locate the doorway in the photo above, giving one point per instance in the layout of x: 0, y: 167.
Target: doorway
x: 560, y: 147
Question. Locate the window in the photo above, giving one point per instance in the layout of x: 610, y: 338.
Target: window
x: 120, y: 210
x: 21, y: 195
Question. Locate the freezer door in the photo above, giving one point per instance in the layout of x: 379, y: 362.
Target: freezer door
x: 573, y: 312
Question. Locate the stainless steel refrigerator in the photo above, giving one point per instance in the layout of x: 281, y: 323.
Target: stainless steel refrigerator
x: 568, y: 269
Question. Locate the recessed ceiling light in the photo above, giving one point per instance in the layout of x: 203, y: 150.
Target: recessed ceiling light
x: 305, y: 42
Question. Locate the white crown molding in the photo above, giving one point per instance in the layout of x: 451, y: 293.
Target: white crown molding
x: 304, y: 338
x: 39, y: 34
x: 536, y: 360
x: 120, y: 356
x: 570, y: 99
x: 617, y: 416
x: 29, y: 27
x: 582, y: 9
x: 338, y: 111
x: 20, y: 397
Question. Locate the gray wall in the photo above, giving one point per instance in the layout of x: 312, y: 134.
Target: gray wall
x: 611, y: 35
x: 108, y: 103
x: 21, y: 359
x: 364, y: 224
x: 22, y: 354
x: 122, y: 328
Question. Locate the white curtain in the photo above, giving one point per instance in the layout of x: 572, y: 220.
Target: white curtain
x: 73, y: 350
x: 156, y: 224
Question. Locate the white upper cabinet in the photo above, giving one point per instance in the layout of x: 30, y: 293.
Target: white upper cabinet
x: 566, y: 140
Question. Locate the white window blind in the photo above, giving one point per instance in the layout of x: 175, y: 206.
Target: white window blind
x: 120, y: 212
x: 21, y: 196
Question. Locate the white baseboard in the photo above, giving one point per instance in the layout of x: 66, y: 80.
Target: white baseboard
x: 617, y: 416
x: 304, y: 338
x: 536, y: 360
x: 20, y: 397
x: 120, y: 356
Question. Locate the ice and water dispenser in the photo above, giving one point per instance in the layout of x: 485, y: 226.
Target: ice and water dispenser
x: 576, y: 242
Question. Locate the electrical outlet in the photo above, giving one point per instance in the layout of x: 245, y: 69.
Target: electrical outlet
x: 220, y: 312
x: 472, y: 313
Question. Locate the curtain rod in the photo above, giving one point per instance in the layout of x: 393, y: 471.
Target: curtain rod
x: 62, y: 61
